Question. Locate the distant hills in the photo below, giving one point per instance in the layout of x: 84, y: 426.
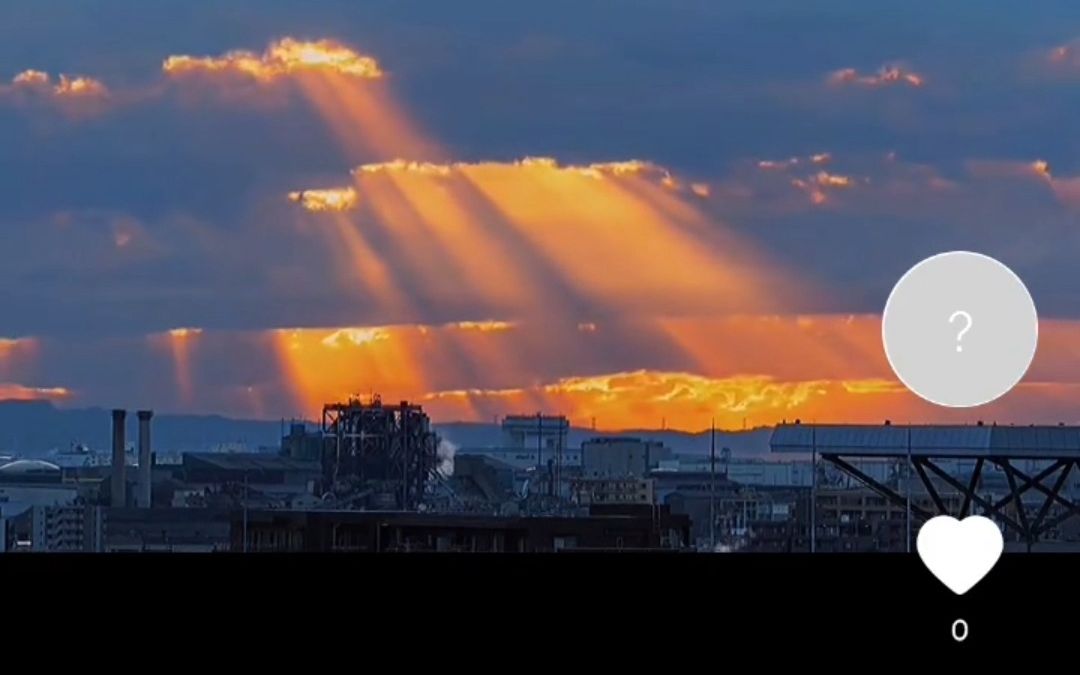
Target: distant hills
x: 29, y: 428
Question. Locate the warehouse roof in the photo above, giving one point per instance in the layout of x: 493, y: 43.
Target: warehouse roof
x: 249, y: 461
x: 929, y: 440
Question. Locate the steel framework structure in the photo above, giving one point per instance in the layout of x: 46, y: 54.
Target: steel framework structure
x: 1030, y: 521
x: 385, y: 450
x: 1058, y: 447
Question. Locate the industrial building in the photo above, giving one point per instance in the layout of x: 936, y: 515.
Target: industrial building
x: 27, y: 483
x: 367, y: 478
x: 51, y: 529
x: 525, y: 458
x: 627, y: 490
x: 620, y: 457
x: 640, y: 529
x: 546, y: 433
x: 116, y: 530
x: 378, y: 456
x: 254, y: 478
x: 480, y: 483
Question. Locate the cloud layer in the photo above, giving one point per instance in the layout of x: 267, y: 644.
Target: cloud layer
x: 624, y: 218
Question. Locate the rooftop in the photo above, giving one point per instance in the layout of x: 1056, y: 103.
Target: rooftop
x: 250, y: 461
x: 891, y: 440
x: 24, y: 467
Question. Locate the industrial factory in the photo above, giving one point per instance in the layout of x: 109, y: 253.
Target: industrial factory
x: 367, y: 477
x: 370, y: 476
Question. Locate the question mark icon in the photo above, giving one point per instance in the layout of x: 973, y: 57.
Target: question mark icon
x: 966, y: 328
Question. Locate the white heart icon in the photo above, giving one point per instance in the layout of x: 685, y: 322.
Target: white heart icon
x: 959, y: 553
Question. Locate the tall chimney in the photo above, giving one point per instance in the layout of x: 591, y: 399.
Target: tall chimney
x: 146, y: 460
x: 118, y: 487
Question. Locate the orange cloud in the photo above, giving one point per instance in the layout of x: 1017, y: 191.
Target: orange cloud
x: 866, y: 183
x: 344, y: 337
x: 441, y: 363
x: 483, y: 326
x: 597, y: 170
x: 886, y: 76
x: 818, y: 185
x: 637, y: 399
x: 331, y: 199
x: 1066, y: 189
x: 1007, y: 168
x: 346, y: 88
x: 31, y: 78
x: 825, y: 178
x: 8, y: 346
x: 421, y: 168
x: 1041, y: 168
x: 79, y: 86
x: 181, y: 333
x: 500, y: 232
x: 644, y: 398
x: 37, y: 82
x: 18, y: 392
x: 284, y: 57
x: 756, y: 370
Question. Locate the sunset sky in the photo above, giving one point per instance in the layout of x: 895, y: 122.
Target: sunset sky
x: 636, y: 213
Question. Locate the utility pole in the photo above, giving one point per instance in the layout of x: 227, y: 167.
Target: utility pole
x: 712, y: 488
x: 907, y: 489
x: 540, y: 448
x: 245, y: 512
x: 813, y: 489
x: 557, y: 487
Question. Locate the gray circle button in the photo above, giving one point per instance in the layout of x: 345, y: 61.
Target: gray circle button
x: 960, y: 329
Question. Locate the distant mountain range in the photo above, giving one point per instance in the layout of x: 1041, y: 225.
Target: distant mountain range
x: 29, y: 428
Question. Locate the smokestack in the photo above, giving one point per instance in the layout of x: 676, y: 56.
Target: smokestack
x: 118, y: 487
x: 146, y: 461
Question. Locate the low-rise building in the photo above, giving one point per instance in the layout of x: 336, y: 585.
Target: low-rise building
x: 627, y: 490
x: 623, y: 527
x: 620, y: 457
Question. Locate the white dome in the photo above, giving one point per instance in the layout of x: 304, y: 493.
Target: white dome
x: 27, y: 467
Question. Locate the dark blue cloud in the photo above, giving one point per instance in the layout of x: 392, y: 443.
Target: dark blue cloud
x: 694, y: 85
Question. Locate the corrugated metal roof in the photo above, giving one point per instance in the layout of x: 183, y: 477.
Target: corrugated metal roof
x: 250, y: 461
x: 930, y: 440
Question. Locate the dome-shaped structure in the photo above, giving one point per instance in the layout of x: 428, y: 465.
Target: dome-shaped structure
x: 28, y: 467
